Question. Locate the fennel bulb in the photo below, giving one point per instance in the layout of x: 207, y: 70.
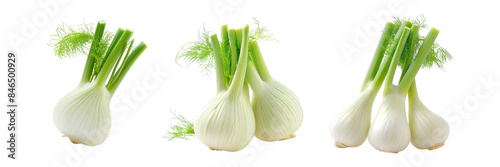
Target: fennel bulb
x: 350, y: 127
x: 278, y: 113
x: 227, y: 121
x: 83, y: 115
x: 428, y: 130
x: 389, y: 131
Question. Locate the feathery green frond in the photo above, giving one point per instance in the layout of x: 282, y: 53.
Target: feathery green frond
x: 199, y: 51
x: 261, y: 33
x: 69, y: 41
x: 182, y: 129
x: 437, y: 56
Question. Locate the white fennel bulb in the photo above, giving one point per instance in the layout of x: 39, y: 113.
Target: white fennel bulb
x: 389, y: 131
x: 278, y: 113
x: 428, y: 130
x: 84, y: 114
x: 277, y: 110
x: 227, y: 121
x: 350, y: 128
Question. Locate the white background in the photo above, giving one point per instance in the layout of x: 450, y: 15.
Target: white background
x: 308, y: 59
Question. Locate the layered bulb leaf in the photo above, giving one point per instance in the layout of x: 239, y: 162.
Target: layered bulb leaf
x: 350, y: 127
x: 428, y: 130
x: 84, y: 115
x: 277, y: 109
x: 390, y: 131
x: 227, y: 121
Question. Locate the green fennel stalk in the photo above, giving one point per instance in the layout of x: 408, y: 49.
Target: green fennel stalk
x: 378, y: 56
x: 89, y: 65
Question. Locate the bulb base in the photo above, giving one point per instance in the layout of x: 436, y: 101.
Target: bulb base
x: 436, y: 146
x: 386, y: 151
x: 288, y: 137
x: 74, y: 141
x: 340, y: 144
